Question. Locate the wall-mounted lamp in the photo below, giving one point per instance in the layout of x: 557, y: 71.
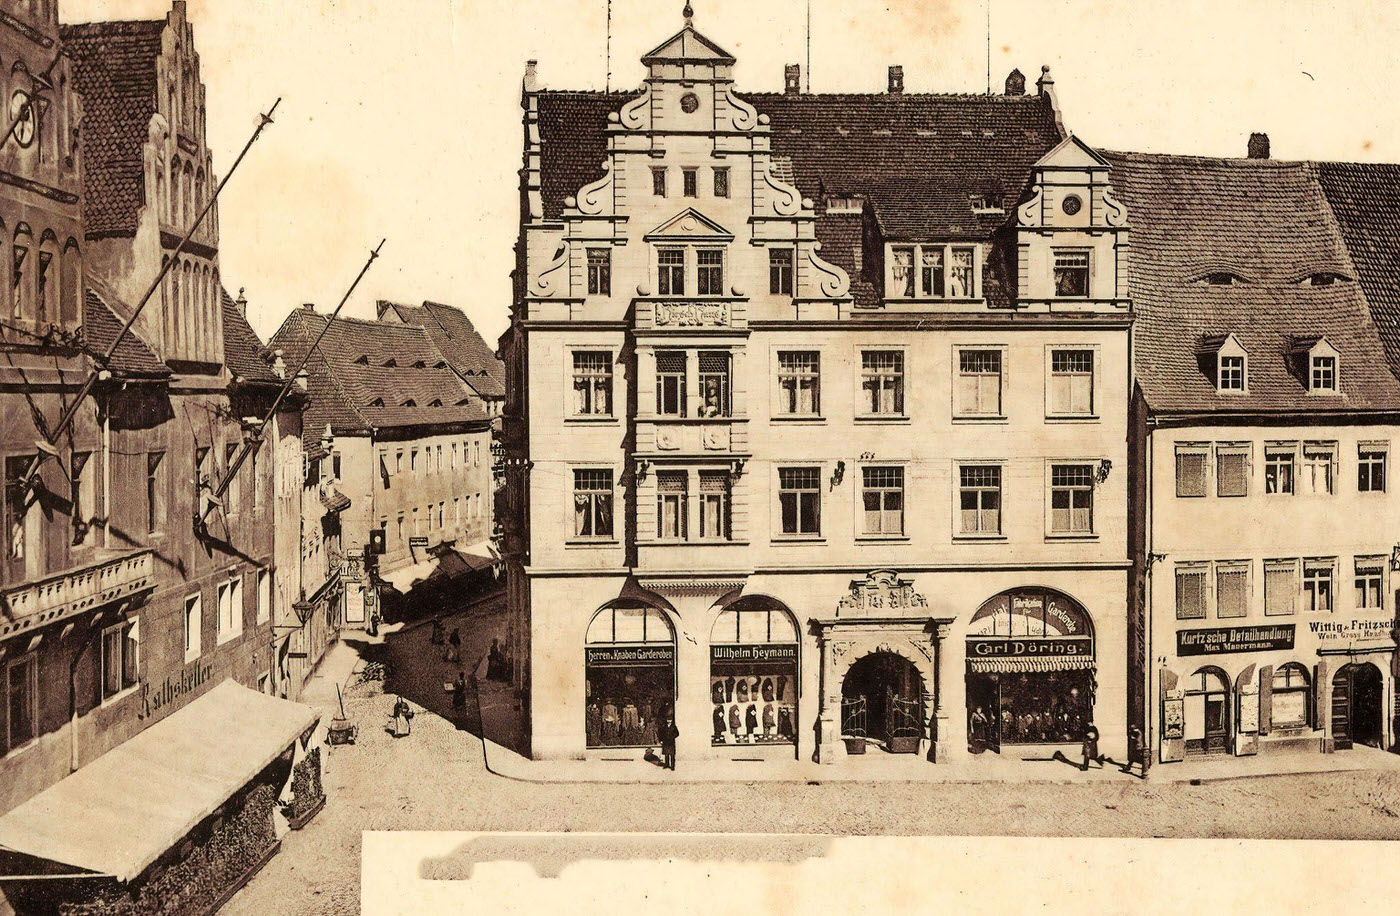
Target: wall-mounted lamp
x: 1105, y: 466
x: 642, y: 467
x: 838, y: 474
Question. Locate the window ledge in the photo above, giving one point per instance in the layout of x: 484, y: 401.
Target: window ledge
x: 1073, y: 418
x: 590, y: 420
x: 193, y: 656
x: 799, y: 419
x: 120, y: 695
x: 798, y: 539
x: 1072, y: 536
x: 226, y: 638
x: 881, y: 538
x: 19, y: 749
x: 989, y: 419
x: 891, y: 418
x: 975, y: 538
x: 591, y: 542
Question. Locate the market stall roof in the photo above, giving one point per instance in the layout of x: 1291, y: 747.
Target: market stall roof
x: 121, y: 812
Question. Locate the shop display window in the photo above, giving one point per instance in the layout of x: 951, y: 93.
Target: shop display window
x: 753, y: 676
x: 630, y: 675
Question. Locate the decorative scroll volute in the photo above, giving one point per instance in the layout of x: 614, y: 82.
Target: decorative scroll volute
x: 552, y: 281
x: 636, y: 114
x: 742, y: 115
x: 832, y: 281
x: 596, y: 197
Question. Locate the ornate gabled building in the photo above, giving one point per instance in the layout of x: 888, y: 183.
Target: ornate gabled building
x: 815, y: 420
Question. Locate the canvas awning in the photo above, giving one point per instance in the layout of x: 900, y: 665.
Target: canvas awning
x: 406, y: 577
x: 1024, y: 665
x: 122, y: 811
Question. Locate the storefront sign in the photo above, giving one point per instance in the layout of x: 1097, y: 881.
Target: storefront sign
x: 153, y: 699
x: 1030, y: 612
x: 1349, y: 630
x: 1015, y: 648
x: 757, y: 652
x: 631, y: 655
x: 1221, y: 640
x: 415, y: 542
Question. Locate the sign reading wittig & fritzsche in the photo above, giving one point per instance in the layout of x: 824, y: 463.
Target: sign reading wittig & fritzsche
x: 1220, y: 640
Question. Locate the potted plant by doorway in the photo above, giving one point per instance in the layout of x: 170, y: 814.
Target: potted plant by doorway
x: 855, y: 744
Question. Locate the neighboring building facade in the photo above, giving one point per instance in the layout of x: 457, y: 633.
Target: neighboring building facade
x: 815, y: 422
x: 1264, y: 421
x: 145, y: 614
x: 410, y: 445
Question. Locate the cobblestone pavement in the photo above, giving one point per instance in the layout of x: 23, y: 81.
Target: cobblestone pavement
x: 434, y: 780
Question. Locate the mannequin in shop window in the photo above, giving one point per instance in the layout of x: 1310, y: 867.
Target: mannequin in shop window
x: 611, y: 722
x: 751, y: 720
x: 769, y: 720
x: 768, y: 690
x: 593, y: 723
x: 719, y: 723
x: 735, y: 722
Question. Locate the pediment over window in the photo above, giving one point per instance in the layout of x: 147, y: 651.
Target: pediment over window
x: 1221, y: 345
x: 1072, y: 153
x: 687, y: 226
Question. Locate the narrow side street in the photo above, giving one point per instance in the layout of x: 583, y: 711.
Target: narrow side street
x: 434, y: 779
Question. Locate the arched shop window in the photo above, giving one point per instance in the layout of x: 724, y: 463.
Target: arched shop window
x: 1291, y: 704
x: 630, y: 667
x: 753, y: 674
x: 1208, y: 712
x: 1030, y: 670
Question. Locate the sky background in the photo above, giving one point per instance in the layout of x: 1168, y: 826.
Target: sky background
x: 402, y: 119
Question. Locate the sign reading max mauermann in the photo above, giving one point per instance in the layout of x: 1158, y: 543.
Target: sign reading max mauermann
x: 1220, y: 640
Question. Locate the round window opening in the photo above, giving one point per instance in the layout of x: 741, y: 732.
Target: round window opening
x: 1071, y: 205
x: 689, y: 102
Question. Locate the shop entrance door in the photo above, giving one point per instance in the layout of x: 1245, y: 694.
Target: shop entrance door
x: 888, y: 687
x: 1358, y: 701
x: 1208, y: 713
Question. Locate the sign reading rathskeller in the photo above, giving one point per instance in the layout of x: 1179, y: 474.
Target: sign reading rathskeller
x: 1220, y: 640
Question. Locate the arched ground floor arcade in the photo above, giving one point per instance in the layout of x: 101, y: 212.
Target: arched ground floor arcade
x: 818, y: 666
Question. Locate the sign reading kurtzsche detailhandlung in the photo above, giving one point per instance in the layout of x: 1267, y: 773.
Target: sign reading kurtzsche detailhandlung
x: 1220, y: 640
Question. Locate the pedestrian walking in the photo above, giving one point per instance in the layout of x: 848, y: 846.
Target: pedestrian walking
x: 454, y: 646
x: 459, y: 691
x: 439, y: 635
x: 669, y: 734
x: 1091, y: 747
x: 401, y: 722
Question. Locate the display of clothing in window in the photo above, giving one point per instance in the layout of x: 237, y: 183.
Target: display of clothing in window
x: 611, y: 723
x: 742, y: 693
x: 734, y: 721
x: 769, y: 720
x: 717, y: 692
x: 751, y: 719
x: 768, y: 690
x: 719, y: 723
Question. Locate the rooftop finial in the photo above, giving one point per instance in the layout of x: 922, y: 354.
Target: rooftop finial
x: 688, y: 13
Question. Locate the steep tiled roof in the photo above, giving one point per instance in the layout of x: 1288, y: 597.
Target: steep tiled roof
x: 918, y: 159
x: 101, y: 324
x: 242, y: 346
x: 453, y: 333
x: 115, y: 71
x: 364, y: 372
x: 1365, y: 200
x: 1267, y: 222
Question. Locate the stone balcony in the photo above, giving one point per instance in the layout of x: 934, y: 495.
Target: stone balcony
x: 36, y: 603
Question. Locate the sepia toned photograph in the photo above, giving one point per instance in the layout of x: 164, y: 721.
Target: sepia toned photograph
x: 701, y: 456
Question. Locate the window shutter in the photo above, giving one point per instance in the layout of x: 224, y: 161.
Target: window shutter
x: 1266, y: 699
x: 1322, y: 713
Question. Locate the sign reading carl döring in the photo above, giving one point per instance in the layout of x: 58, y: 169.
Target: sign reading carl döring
x: 1001, y: 648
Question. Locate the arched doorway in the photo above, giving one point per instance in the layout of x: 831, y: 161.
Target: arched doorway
x: 882, y: 700
x: 1358, y: 706
x: 1030, y: 670
x: 1208, y: 712
x: 630, y: 671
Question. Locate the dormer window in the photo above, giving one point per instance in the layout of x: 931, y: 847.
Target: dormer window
x: 390, y: 363
x: 1231, y: 373
x: 1323, y: 278
x: 420, y: 364
x: 410, y: 403
x: 931, y: 271
x: 362, y: 361
x: 1223, y: 278
x: 1323, y: 374
x: 1072, y: 273
x: 435, y: 402
x: 377, y: 402
x: 1224, y: 354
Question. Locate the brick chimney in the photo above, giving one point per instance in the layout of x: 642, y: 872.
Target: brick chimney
x: 896, y: 79
x: 1015, y: 83
x: 1258, y: 146
x: 792, y: 79
x: 531, y: 82
x: 309, y: 306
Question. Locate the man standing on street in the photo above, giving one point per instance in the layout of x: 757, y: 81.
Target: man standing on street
x: 669, y: 734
